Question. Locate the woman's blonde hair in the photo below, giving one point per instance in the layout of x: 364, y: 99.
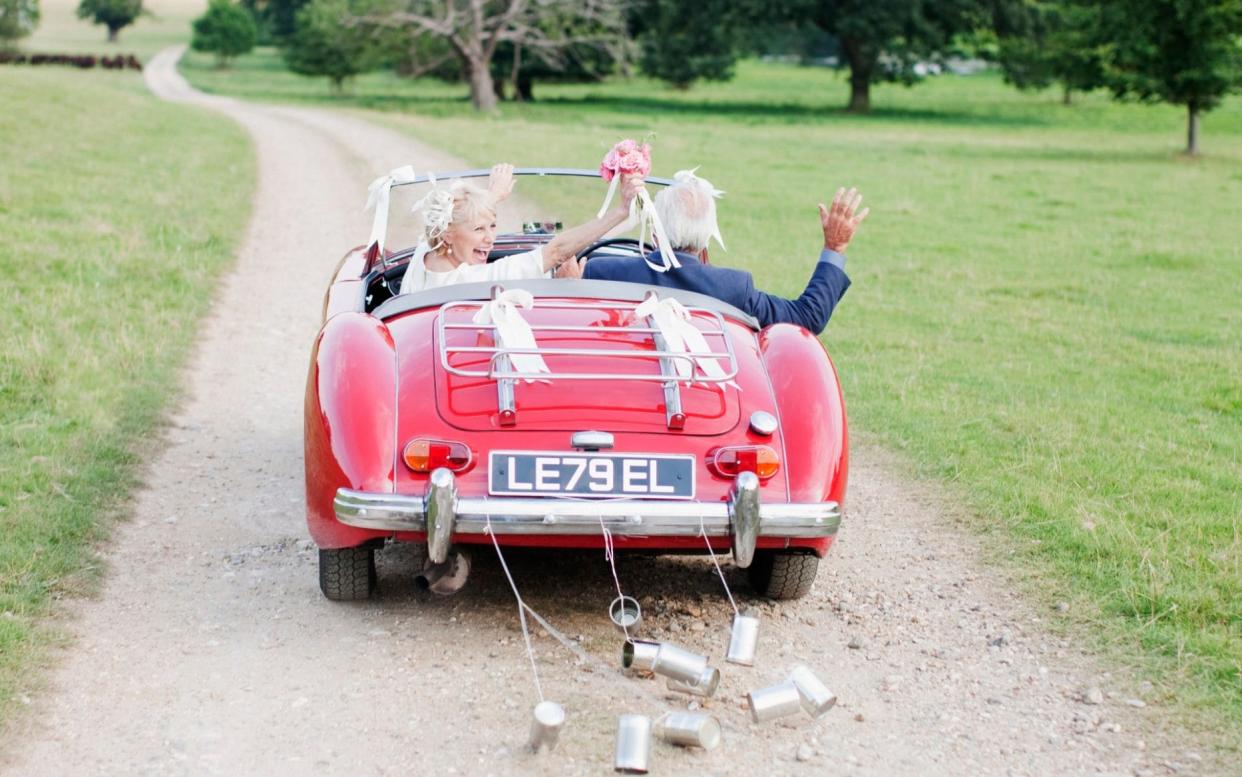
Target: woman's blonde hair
x: 461, y: 201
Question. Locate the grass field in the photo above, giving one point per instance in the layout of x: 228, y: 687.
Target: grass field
x: 167, y: 23
x: 113, y: 235
x: 1044, y: 313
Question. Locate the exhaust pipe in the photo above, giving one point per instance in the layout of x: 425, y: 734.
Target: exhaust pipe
x: 448, y: 577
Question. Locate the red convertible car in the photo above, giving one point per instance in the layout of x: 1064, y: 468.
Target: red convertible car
x: 421, y: 429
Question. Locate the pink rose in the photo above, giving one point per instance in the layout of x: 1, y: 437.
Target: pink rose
x: 627, y: 157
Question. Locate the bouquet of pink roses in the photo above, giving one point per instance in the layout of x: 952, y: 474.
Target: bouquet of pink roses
x: 629, y: 157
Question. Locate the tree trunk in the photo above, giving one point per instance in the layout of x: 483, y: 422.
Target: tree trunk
x: 1067, y: 96
x: 524, y: 91
x: 1192, y: 129
x: 862, y: 66
x: 482, y: 86
x: 112, y: 33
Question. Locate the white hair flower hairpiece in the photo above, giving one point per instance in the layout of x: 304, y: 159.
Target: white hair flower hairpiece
x: 437, y: 208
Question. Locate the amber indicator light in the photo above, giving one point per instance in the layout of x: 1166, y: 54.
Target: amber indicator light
x: 759, y: 459
x: 425, y: 455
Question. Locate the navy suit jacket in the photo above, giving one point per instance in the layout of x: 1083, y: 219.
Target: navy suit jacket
x: 811, y: 310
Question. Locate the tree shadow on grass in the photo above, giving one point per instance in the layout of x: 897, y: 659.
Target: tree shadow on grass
x: 787, y: 112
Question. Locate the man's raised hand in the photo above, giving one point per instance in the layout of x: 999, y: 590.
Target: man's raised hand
x: 841, y: 219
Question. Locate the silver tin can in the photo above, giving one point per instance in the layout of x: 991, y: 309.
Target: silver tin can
x: 743, y: 640
x: 639, y: 655
x: 633, y: 744
x: 689, y: 729
x: 545, y: 729
x: 816, y: 698
x: 679, y: 664
x: 625, y: 613
x: 774, y: 702
x: 705, y: 686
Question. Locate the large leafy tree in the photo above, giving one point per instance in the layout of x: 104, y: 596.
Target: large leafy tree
x: 1042, y: 42
x: 885, y: 40
x: 327, y: 42
x: 1184, y: 52
x: 684, y: 42
x: 18, y: 18
x: 474, y: 29
x: 113, y: 14
x: 226, y: 30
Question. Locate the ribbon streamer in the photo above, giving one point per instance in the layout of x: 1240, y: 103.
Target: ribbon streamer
x: 378, y: 194
x: 512, y: 331
x: 681, y: 336
x: 648, y: 214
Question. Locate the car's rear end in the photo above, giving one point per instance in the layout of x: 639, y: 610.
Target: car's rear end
x: 746, y: 451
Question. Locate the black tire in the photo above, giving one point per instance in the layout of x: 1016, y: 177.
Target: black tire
x: 783, y: 575
x: 347, y: 574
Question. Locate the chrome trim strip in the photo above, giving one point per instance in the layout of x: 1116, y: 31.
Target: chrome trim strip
x: 571, y: 172
x: 651, y: 518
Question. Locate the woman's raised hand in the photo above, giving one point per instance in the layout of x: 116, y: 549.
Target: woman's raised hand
x: 631, y: 184
x: 500, y: 181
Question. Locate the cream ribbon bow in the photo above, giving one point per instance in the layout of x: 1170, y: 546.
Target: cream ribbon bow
x: 512, y: 331
x: 378, y: 196
x: 681, y: 336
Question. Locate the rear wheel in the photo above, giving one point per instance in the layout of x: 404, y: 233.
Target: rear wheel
x: 347, y: 574
x: 783, y: 574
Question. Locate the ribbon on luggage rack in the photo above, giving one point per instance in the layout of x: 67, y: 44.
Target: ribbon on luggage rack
x: 682, y: 336
x: 512, y: 330
x: 378, y: 194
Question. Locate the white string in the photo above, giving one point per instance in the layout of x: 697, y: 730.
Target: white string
x: 712, y: 553
x: 522, y: 608
x: 610, y: 554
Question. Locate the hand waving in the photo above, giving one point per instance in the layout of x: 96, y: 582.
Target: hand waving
x: 500, y: 181
x: 841, y: 219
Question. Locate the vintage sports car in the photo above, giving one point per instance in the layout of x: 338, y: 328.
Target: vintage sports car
x: 422, y: 428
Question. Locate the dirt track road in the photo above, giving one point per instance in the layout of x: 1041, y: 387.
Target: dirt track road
x: 211, y: 650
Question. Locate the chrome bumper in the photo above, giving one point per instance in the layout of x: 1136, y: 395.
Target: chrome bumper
x: 441, y: 513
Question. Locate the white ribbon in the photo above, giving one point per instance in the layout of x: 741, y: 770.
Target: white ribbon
x: 648, y: 214
x: 612, y: 192
x: 512, y: 331
x: 681, y: 336
x: 377, y: 197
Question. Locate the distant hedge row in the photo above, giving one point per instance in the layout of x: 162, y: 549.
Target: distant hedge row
x: 83, y: 61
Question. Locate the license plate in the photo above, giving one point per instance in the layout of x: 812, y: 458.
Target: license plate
x: 654, y: 476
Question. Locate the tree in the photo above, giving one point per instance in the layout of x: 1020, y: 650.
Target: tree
x: 1042, y: 42
x: 326, y: 42
x: 113, y: 14
x: 276, y: 19
x: 1184, y: 52
x: 684, y: 42
x: 226, y: 30
x: 885, y: 41
x: 578, y: 49
x: 475, y: 28
x: 18, y: 18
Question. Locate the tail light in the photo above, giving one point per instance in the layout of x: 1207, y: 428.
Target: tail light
x: 425, y: 455
x: 759, y: 459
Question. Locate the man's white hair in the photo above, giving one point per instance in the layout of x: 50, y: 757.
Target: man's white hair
x: 687, y: 209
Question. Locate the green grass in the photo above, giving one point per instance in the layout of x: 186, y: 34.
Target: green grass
x: 60, y: 31
x: 1044, y: 313
x: 114, y: 236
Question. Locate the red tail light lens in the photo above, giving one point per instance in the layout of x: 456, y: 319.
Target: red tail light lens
x: 759, y: 459
x: 424, y: 455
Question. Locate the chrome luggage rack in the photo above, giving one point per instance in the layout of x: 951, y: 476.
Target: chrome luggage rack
x: 500, y: 369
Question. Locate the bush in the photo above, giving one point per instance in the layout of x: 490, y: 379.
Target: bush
x: 226, y: 30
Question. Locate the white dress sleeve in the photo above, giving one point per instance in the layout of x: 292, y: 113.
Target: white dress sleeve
x: 528, y: 264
